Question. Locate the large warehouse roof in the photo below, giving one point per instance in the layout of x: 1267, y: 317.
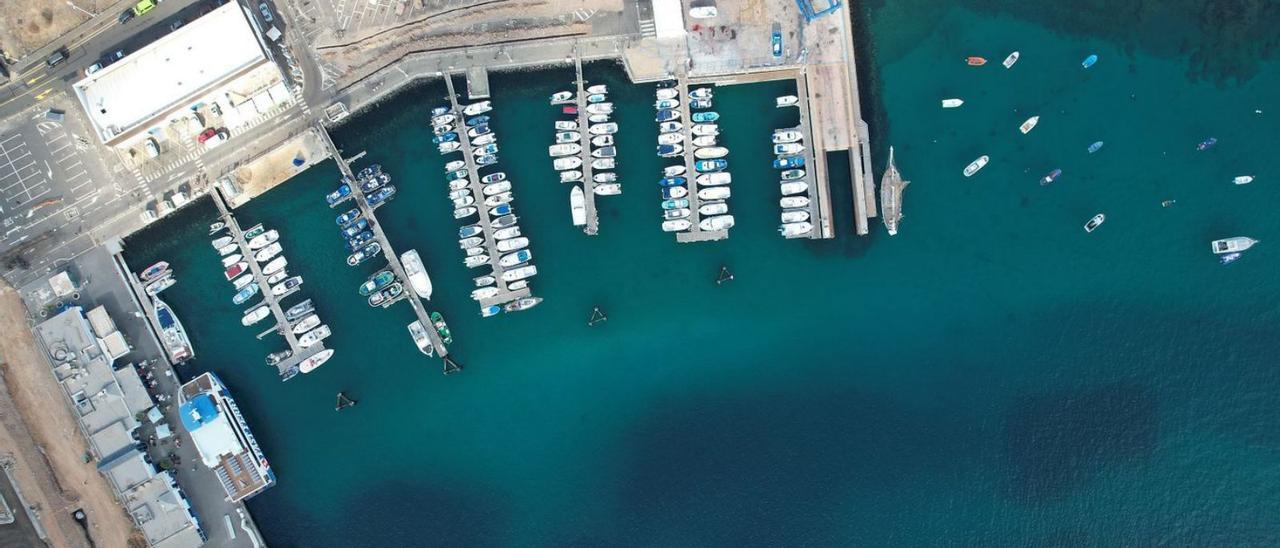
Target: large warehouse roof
x: 140, y: 89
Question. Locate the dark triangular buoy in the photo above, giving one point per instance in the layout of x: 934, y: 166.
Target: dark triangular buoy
x: 450, y: 366
x: 344, y: 402
x: 597, y: 316
x: 724, y: 276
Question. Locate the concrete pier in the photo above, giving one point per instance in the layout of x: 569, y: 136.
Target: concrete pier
x: 387, y: 251
x: 815, y: 161
x: 477, y: 83
x: 504, y: 295
x: 588, y: 183
x: 695, y: 232
x: 264, y: 289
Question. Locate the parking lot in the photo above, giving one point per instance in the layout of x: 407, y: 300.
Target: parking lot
x: 43, y: 176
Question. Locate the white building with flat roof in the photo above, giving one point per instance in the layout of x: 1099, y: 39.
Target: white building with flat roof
x: 172, y: 74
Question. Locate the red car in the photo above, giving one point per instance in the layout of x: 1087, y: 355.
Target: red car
x: 206, y: 134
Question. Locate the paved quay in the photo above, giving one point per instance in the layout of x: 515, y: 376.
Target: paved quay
x: 588, y: 183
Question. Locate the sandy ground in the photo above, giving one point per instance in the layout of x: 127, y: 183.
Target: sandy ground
x: 275, y: 167
x: 50, y: 428
x: 27, y: 25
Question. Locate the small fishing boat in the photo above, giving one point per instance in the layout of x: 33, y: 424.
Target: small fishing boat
x: 1243, y: 180
x: 792, y: 174
x: 459, y: 184
x: 672, y: 192
x: 523, y: 304
x: 1028, y: 125
x: 604, y: 152
x: 451, y: 146
x: 670, y: 151
x: 670, y: 138
x: 486, y: 139
x: 705, y: 129
x: 676, y: 225
x: 677, y: 203
x: 314, y: 336
x: 460, y: 193
x: 289, y: 284
x: 952, y: 103
x: 244, y: 294
x: 1051, y: 177
x: 672, y: 181
x: 561, y: 97
x: 277, y: 357
x: 569, y: 110
x: 153, y: 272
x: 787, y: 136
x: 1089, y: 61
x: 496, y: 188
x: 718, y: 222
x: 603, y: 129
x: 788, y: 148
x: 787, y: 101
x: 443, y: 119
x: 598, y: 118
x: 1230, y: 257
x: 235, y: 270
x: 976, y: 165
x: 699, y: 103
x: 607, y: 189
x: 315, y: 361
x: 513, y: 244
x: 604, y: 163
x: 1232, y: 245
x: 604, y: 177
x: 703, y: 166
x: 355, y: 242
x: 454, y: 165
x: 700, y: 93
x: 463, y: 201
x: 975, y: 61
x: 570, y: 176
x: 444, y: 138
x: 491, y: 310
x: 666, y: 93
x: 218, y: 243
x: 377, y: 281
x: 602, y: 140
x: 383, y: 194
x: 670, y: 127
x: 520, y: 273
x: 705, y: 117
x: 790, y: 230
x: 363, y: 254
x: 231, y: 259
x: 561, y: 164
x: 267, y: 253
x: 667, y: 115
x: 714, y: 193
x: 663, y: 104
x: 788, y: 202
x: 215, y: 227
x: 475, y: 260
x: 673, y: 171
x: 299, y: 310
x: 564, y: 149
x: 341, y: 194
x: 1011, y: 59
x: 704, y: 141
x: 441, y: 131
x: 473, y: 251
x: 714, y: 179
x: 598, y: 88
x: 711, y: 152
x: 307, y: 323
x: 1095, y: 222
x: 597, y: 98
x: 788, y: 162
x: 499, y: 210
x: 496, y: 199
x: 568, y: 137
x: 1096, y: 146
x: 713, y: 208
x: 484, y: 293
x: 487, y: 160
x: 1207, y: 143
x: 477, y: 108
x: 577, y: 206
x: 504, y: 221
x: 566, y: 125
x: 490, y: 148
x: 793, y: 187
x: 263, y: 240
x: 469, y: 242
x: 794, y: 216
x: 350, y: 215
x: 253, y: 232
x: 511, y: 259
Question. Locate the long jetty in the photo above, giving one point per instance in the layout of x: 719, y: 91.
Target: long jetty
x: 264, y: 288
x: 393, y: 259
x: 588, y: 182
x: 695, y: 232
x: 504, y: 295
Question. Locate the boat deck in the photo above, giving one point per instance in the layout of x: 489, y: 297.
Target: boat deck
x: 282, y: 325
x: 504, y: 295
x: 588, y: 183
x: 393, y: 259
x: 695, y: 232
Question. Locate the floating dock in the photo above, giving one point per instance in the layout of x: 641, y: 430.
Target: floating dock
x: 504, y: 295
x: 288, y: 367
x: 695, y: 232
x: 387, y: 251
x: 588, y: 182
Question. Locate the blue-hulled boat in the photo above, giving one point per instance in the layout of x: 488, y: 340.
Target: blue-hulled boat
x: 358, y: 241
x: 712, y: 165
x: 450, y: 136
x: 705, y: 117
x: 491, y: 310
x: 675, y: 203
x: 487, y: 160
x: 342, y: 194
x: 500, y: 209
x: 789, y: 162
x: 672, y: 181
x: 667, y: 115
x: 351, y: 215
x: 365, y: 253
x: 1089, y: 61
x: 355, y: 228
x: 476, y: 121
x: 383, y: 194
x: 491, y: 148
x: 244, y: 294
x: 374, y: 183
x: 469, y: 231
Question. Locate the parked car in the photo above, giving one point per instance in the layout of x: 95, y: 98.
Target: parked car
x: 776, y: 40
x: 152, y: 148
x: 126, y: 16
x: 89, y: 70
x: 266, y: 12
x: 56, y: 57
x: 205, y: 135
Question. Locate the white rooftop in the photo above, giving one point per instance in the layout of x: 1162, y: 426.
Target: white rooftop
x: 181, y: 66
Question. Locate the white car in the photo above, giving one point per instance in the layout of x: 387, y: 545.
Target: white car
x: 266, y: 12
x: 152, y: 148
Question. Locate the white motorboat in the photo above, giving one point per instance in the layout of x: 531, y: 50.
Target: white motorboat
x: 666, y: 93
x: 458, y: 184
x: 484, y: 293
x: 485, y: 139
x: 598, y: 118
x: 564, y: 149
x: 496, y: 188
x: 443, y: 119
x: 700, y: 93
x: 286, y: 286
x: 507, y: 233
x: 417, y: 273
x: 714, y: 179
x: 477, y: 108
x: 676, y: 225
x: 451, y: 146
x: 514, y: 258
x: 710, y: 153
x: 454, y: 165
x: 604, y: 177
x: 598, y: 88
x: 482, y: 281
x: 314, y: 336
x: 498, y: 199
x: 572, y: 162
x: 793, y: 201
x: 570, y: 176
x: 421, y: 338
x: 275, y: 265
x: 459, y: 194
x: 602, y: 141
x: 704, y: 141
x: 507, y: 246
x: 600, y: 108
x: 263, y: 240
x: 678, y: 213
x: 469, y: 242
x: 220, y: 242
x: 239, y: 283
x: 952, y: 103
x: 561, y: 97
x: 713, y: 208
x: 607, y: 189
x: 670, y: 138
x: 1095, y: 222
x: 231, y: 259
x: 790, y: 230
x: 787, y: 136
x: 788, y: 101
x: 464, y: 212
x: 794, y: 216
x: 566, y: 125
x: 255, y: 315
x: 718, y: 222
x: 603, y: 129
x: 791, y: 188
x: 476, y: 260
x: 975, y: 165
x: 227, y: 249
x: 670, y: 127
x: 1243, y: 180
x: 604, y: 163
x: 504, y: 221
x: 714, y: 193
x: 1011, y: 59
x: 568, y: 137
x: 604, y: 152
x: 670, y: 151
x: 307, y: 323
x: 577, y: 206
x: 1028, y: 125
x: 673, y: 171
x: 465, y: 201
x: 277, y: 277
x: 1232, y: 245
x: 705, y: 129
x: 519, y: 273
x: 784, y: 149
x: 518, y: 285
x: 315, y: 361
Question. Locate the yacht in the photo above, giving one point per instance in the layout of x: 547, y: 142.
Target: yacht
x: 790, y: 230
x: 976, y: 165
x: 1232, y: 245
x: 513, y: 244
x: 572, y: 162
x: 713, y: 208
x: 307, y: 323
x: 174, y: 337
x: 564, y: 149
x: 793, y: 187
x: 421, y: 338
x: 607, y: 189
x: 482, y: 281
x: 600, y: 108
x: 1095, y: 222
x: 718, y: 222
x: 577, y: 206
x: 670, y: 138
x: 484, y: 293
x: 1010, y: 60
x: 714, y: 193
x: 952, y: 103
x: 710, y: 153
x: 570, y: 176
x: 676, y: 225
x: 314, y: 336
x: 299, y: 310
x: 604, y: 177
x: 793, y: 201
x: 705, y: 129
x: 520, y: 273
x: 523, y: 304
x: 418, y: 278
x: 316, y: 360
x: 788, y: 101
x: 503, y: 198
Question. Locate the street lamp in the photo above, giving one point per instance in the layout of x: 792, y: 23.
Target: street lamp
x: 80, y: 9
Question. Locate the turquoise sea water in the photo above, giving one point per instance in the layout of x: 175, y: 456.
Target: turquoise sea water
x: 991, y: 376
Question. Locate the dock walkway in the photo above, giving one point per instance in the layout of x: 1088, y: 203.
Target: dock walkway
x: 815, y: 162
x: 588, y: 182
x: 695, y: 232
x: 264, y: 289
x: 504, y: 295
x: 387, y: 251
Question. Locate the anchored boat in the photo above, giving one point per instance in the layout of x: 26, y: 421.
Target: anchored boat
x: 891, y: 187
x: 1232, y: 245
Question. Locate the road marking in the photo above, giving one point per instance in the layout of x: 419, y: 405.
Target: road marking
x: 43, y: 94
x: 37, y: 78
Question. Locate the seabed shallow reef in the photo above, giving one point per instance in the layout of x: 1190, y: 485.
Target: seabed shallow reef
x: 990, y: 376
